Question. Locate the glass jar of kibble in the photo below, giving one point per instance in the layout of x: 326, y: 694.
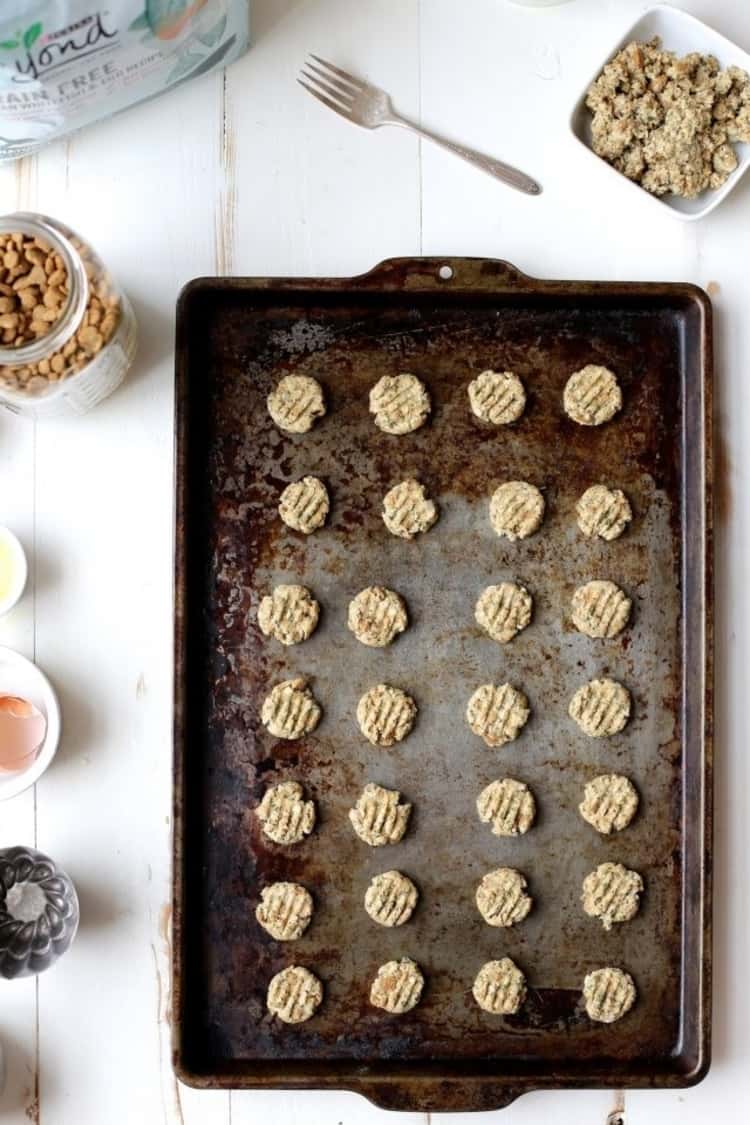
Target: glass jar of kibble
x: 67, y: 331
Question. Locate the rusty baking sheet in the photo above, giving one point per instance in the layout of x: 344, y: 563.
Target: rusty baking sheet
x: 236, y: 338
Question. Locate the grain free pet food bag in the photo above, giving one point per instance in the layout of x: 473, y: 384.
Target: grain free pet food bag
x: 65, y: 63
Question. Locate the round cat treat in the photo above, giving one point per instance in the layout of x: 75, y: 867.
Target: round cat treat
x: 508, y: 805
x: 497, y: 713
x: 609, y: 994
x: 610, y: 801
x: 611, y: 893
x: 291, y: 710
x: 601, y: 708
x: 503, y: 611
x: 500, y: 987
x: 377, y: 616
x: 294, y: 994
x: 288, y: 613
x: 284, y: 910
x: 378, y: 818
x: 497, y: 397
x: 400, y: 403
x: 295, y: 403
x: 285, y: 816
x: 407, y: 511
x: 516, y: 509
x: 603, y: 512
x: 398, y: 986
x: 600, y: 609
x: 501, y: 897
x: 386, y: 715
x: 592, y: 396
x: 304, y: 505
x: 390, y: 899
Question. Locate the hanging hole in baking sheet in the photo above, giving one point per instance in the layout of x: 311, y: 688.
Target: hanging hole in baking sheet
x: 445, y: 273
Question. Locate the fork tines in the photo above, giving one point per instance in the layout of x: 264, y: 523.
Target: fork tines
x: 331, y: 85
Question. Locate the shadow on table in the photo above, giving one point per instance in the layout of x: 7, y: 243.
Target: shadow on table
x: 265, y: 14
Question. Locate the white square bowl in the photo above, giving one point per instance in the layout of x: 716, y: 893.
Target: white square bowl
x: 679, y: 32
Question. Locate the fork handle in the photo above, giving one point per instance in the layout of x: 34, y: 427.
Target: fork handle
x: 497, y: 168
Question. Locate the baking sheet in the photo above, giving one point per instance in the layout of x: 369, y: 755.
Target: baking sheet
x: 235, y: 340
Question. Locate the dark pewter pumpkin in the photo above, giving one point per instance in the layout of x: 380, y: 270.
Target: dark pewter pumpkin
x: 38, y: 912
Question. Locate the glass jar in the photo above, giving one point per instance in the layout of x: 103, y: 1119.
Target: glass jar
x: 89, y: 346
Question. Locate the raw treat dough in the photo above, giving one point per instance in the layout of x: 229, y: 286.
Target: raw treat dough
x: 668, y: 122
x: 291, y: 710
x: 611, y: 893
x: 284, y: 910
x: 610, y: 801
x: 390, y: 899
x: 294, y: 994
x: 600, y: 609
x: 378, y: 818
x: 603, y: 511
x: 295, y: 403
x: 609, y: 994
x: 500, y: 987
x: 504, y: 610
x: 508, y: 805
x: 497, y: 397
x: 304, y: 505
x: 285, y: 816
x: 398, y: 986
x: 377, y: 616
x: 497, y: 713
x: 386, y: 715
x: 502, y: 898
x: 400, y: 403
x: 289, y: 613
x: 592, y: 395
x: 516, y: 509
x: 601, y: 708
x: 407, y: 511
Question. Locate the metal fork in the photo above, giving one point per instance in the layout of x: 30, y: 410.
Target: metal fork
x: 367, y: 105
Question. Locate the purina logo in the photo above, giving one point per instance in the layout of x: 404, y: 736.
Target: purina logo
x: 46, y: 52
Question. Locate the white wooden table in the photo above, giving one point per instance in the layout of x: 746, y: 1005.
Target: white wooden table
x: 245, y: 174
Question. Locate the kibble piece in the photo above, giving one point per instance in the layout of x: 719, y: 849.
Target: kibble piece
x: 386, y: 715
x: 291, y: 710
x: 497, y: 397
x: 377, y: 616
x: 497, y: 713
x: 289, y: 613
x: 611, y: 893
x: 609, y: 994
x: 600, y: 609
x: 390, y: 899
x: 601, y: 708
x: 500, y: 987
x: 285, y: 816
x: 295, y: 403
x: 502, y: 899
x: 592, y: 396
x: 407, y: 511
x: 400, y: 403
x: 294, y: 994
x: 304, y: 505
x: 610, y: 801
x: 397, y: 988
x: 503, y: 611
x: 378, y: 818
x: 285, y: 910
x: 603, y: 511
x: 516, y: 509
x: 508, y: 805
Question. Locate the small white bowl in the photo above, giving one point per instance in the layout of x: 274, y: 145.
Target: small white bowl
x: 681, y: 33
x: 20, y: 570
x: 18, y: 676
